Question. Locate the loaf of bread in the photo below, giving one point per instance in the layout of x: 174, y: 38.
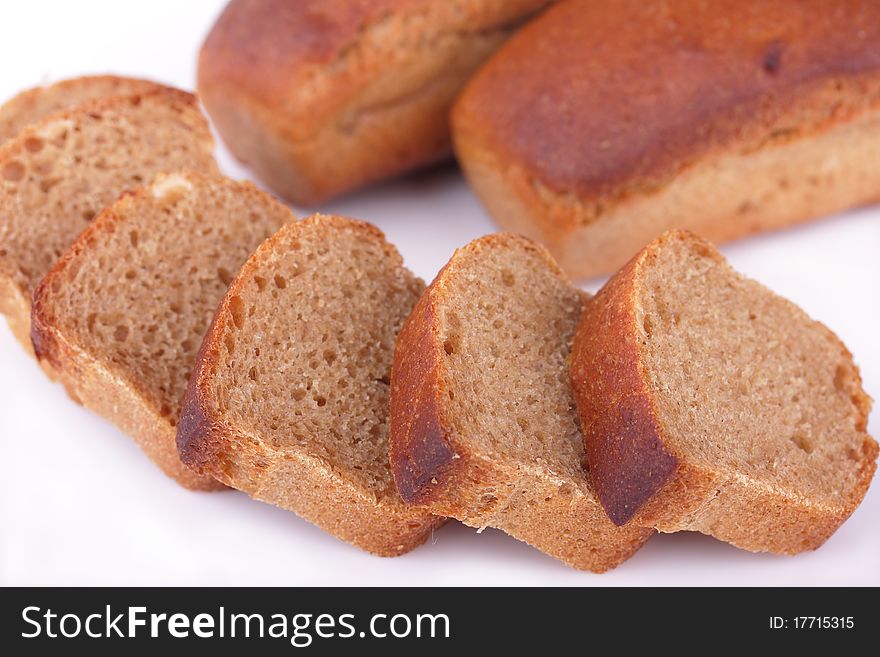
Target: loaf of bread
x: 37, y: 103
x: 120, y: 317
x: 288, y: 401
x: 58, y: 173
x: 320, y: 97
x: 600, y: 125
x: 708, y: 403
x: 483, y: 425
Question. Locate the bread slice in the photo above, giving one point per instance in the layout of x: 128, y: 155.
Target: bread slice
x: 728, y: 118
x: 483, y: 425
x: 289, y: 399
x: 709, y: 403
x: 121, y: 316
x: 58, y: 173
x: 323, y: 96
x: 37, y: 103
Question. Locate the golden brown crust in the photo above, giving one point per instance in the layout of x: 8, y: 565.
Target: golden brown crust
x: 622, y: 435
x: 433, y: 468
x: 678, y: 79
x: 287, y: 83
x: 422, y: 460
x: 639, y: 476
x: 290, y: 478
x: 596, y: 147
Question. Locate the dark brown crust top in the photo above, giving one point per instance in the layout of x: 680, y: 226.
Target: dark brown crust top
x: 605, y: 98
x: 622, y: 436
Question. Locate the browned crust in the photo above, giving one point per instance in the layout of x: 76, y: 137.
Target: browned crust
x: 622, y: 435
x: 291, y: 479
x: 285, y: 82
x: 433, y: 468
x: 602, y: 118
x: 595, y: 146
x: 422, y: 460
x: 640, y: 478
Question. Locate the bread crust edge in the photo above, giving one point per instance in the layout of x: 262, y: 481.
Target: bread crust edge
x: 670, y: 492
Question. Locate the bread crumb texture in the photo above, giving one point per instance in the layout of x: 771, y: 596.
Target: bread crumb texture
x: 136, y: 292
x: 290, y: 400
x: 484, y: 425
x: 58, y: 174
x: 712, y: 404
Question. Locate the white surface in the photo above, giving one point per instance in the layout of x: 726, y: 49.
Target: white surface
x: 79, y: 503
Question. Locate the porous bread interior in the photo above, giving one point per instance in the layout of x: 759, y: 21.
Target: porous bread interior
x: 57, y: 175
x: 507, y: 324
x: 308, y: 344
x: 35, y: 104
x: 745, y: 382
x: 140, y: 296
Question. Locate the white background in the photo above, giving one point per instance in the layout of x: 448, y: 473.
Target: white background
x: 80, y: 504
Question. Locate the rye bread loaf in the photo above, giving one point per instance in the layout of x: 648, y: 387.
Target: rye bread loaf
x: 120, y: 317
x: 483, y: 424
x: 288, y: 401
x: 320, y: 97
x: 58, y: 173
x: 37, y: 103
x: 600, y: 125
x: 708, y: 403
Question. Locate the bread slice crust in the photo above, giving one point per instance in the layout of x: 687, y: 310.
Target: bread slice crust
x: 294, y: 477
x: 127, y: 389
x: 34, y: 104
x: 767, y: 117
x: 322, y: 97
x: 640, y: 474
x: 436, y: 467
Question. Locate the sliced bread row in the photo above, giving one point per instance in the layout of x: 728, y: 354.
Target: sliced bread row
x: 331, y: 383
x: 120, y: 316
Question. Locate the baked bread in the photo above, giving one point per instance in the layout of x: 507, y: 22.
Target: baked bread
x: 120, y: 317
x: 727, y: 117
x: 58, y: 173
x: 37, y: 103
x: 288, y: 401
x: 320, y: 97
x: 483, y: 425
x: 708, y: 403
